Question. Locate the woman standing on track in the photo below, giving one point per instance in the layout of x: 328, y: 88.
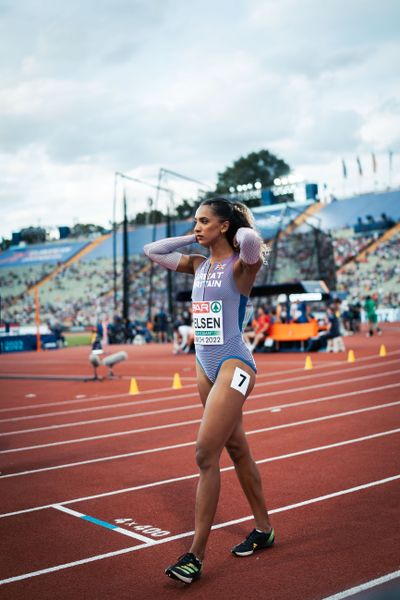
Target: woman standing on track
x: 225, y: 367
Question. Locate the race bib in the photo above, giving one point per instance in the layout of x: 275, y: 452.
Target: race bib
x: 208, y: 323
x: 240, y: 381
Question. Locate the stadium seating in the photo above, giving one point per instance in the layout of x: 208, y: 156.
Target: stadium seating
x: 15, y: 280
x: 347, y: 246
x: 346, y: 213
x: 82, y: 290
x: 378, y: 272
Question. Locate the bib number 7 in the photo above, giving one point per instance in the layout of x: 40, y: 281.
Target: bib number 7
x: 240, y: 381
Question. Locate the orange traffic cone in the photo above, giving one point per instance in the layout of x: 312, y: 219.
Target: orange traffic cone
x: 351, y: 357
x: 308, y: 366
x: 133, y: 388
x: 382, y: 351
x: 177, y: 383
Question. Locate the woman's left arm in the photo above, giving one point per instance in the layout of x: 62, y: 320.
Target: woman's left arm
x: 246, y: 268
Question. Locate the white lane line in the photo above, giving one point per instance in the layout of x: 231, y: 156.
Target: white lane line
x: 135, y: 403
x: 286, y: 391
x: 317, y: 371
x: 159, y: 377
x: 191, y: 476
x: 195, y: 475
x: 254, y: 411
x: 194, y: 421
x: 98, y: 557
x: 112, y: 527
x: 104, y: 436
x: 107, y: 458
x: 365, y: 586
x: 93, y: 399
x: 326, y: 398
x: 81, y: 377
x: 174, y: 397
x: 132, y: 404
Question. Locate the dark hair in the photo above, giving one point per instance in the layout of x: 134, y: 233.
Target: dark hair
x: 236, y: 213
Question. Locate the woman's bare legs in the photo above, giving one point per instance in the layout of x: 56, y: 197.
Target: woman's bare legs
x: 222, y: 425
x: 249, y: 476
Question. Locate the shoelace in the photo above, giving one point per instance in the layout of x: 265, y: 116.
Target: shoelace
x: 191, y: 558
x: 252, y: 535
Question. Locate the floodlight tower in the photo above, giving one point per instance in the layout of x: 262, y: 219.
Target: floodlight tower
x: 117, y: 175
x: 161, y: 174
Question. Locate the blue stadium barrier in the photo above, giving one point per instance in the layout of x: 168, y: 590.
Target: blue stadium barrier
x: 277, y: 216
x: 137, y: 238
x: 25, y: 343
x: 345, y: 213
x: 40, y: 254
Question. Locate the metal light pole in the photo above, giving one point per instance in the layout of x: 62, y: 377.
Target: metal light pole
x: 125, y: 268
x: 115, y: 241
x: 170, y: 206
x: 171, y: 309
x: 161, y: 173
x: 158, y: 188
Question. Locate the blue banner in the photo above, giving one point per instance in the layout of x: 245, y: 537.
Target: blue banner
x: 41, y: 254
x: 25, y: 343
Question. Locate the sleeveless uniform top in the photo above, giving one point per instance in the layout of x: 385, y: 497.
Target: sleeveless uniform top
x: 213, y: 286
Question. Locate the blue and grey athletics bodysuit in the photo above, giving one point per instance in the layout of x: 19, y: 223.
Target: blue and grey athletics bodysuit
x: 218, y: 314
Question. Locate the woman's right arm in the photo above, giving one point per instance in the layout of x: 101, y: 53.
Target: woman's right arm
x: 163, y: 252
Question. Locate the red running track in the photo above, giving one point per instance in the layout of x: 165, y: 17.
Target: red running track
x: 97, y: 486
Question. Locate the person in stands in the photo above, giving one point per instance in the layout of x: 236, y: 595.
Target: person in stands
x: 259, y: 332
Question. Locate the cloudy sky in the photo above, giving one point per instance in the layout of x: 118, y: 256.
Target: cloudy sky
x: 91, y: 87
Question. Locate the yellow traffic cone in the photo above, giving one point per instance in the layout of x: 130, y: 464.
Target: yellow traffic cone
x: 177, y: 383
x: 133, y: 388
x: 308, y: 366
x: 382, y: 351
x: 351, y: 357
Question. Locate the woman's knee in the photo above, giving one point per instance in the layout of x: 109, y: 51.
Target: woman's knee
x: 238, y: 451
x: 206, y: 457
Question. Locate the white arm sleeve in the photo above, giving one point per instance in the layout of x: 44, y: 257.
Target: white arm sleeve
x: 162, y: 251
x: 250, y: 245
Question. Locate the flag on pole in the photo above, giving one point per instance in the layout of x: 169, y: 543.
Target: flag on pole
x: 390, y: 160
x: 374, y: 164
x: 344, y: 169
x: 390, y: 167
x: 360, y: 171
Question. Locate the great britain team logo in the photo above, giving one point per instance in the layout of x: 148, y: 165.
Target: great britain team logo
x: 219, y: 267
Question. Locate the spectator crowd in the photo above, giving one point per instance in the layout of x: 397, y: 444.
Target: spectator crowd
x: 82, y: 293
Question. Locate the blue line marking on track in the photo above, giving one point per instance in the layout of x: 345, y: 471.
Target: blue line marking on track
x: 99, y: 522
x: 105, y: 524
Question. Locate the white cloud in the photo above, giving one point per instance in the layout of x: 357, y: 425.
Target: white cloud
x: 382, y: 128
x: 134, y: 85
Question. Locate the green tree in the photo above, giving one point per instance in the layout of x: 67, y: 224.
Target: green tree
x: 5, y: 243
x: 140, y: 219
x: 85, y: 229
x: 185, y: 209
x: 33, y: 235
x: 262, y: 166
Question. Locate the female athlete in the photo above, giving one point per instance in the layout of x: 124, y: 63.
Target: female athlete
x: 226, y: 370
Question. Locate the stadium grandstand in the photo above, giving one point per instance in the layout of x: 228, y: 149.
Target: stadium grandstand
x: 351, y: 244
